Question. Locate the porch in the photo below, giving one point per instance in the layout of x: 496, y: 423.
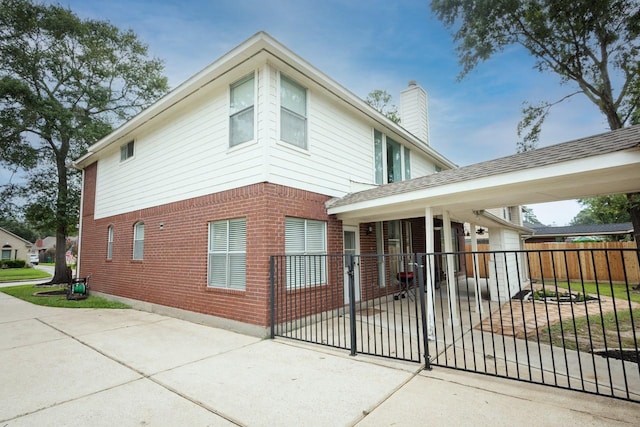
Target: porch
x: 455, y: 323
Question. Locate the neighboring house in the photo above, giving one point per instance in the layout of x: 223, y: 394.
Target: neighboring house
x: 48, y: 244
x: 262, y: 154
x: 544, y: 233
x: 14, y: 247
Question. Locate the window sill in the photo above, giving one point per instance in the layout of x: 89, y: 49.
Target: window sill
x: 242, y: 146
x: 229, y: 291
x: 295, y: 148
x: 136, y: 261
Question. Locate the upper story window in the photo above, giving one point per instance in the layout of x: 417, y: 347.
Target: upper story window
x: 126, y: 151
x: 241, y: 111
x: 110, y: 242
x: 392, y: 160
x: 228, y: 253
x: 138, y: 240
x: 293, y: 113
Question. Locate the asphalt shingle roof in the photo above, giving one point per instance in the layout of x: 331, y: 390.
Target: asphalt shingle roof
x: 609, y: 142
x: 587, y: 229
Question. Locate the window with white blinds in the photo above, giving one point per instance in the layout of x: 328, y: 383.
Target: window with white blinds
x: 227, y: 254
x: 138, y: 240
x: 306, y: 249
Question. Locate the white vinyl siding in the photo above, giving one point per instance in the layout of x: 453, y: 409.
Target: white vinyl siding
x: 241, y: 114
x: 138, y: 241
x: 110, y: 242
x: 293, y: 113
x: 379, y: 164
x: 184, y: 155
x: 306, y: 249
x: 227, y: 254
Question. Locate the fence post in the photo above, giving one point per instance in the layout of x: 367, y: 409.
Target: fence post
x: 352, y: 302
x: 423, y: 312
x: 272, y: 292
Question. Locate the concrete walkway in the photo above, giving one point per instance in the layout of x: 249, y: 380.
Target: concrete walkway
x: 126, y: 367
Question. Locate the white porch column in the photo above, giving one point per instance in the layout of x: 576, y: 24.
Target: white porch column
x: 451, y: 279
x: 476, y: 266
x: 429, y: 285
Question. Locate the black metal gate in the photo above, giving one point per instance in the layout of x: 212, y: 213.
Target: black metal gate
x: 568, y: 319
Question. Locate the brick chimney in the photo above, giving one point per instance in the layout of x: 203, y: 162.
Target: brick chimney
x: 413, y: 111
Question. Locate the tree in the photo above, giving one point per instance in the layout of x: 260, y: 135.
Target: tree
x: 602, y: 210
x: 64, y: 84
x: 592, y: 44
x: 380, y: 100
x: 529, y: 216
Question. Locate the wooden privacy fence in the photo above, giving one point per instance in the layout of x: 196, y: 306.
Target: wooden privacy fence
x: 589, y: 261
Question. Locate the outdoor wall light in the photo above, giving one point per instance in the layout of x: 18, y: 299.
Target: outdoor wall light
x: 369, y: 229
x: 480, y: 231
x: 162, y: 226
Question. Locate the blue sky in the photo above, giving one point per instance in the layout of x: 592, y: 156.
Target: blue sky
x: 367, y: 45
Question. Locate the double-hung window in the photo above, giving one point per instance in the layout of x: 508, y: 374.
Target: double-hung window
x: 6, y: 252
x: 293, y: 113
x: 138, y: 240
x: 306, y: 250
x: 241, y: 114
x: 126, y: 151
x: 227, y: 254
x: 392, y: 161
x: 110, y: 242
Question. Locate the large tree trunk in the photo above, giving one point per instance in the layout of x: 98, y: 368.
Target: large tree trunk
x: 634, y: 211
x: 62, y: 274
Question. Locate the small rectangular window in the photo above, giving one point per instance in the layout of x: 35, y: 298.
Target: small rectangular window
x: 126, y: 151
x: 109, y: 242
x: 241, y: 115
x: 228, y: 253
x: 394, y: 162
x: 377, y: 152
x: 407, y: 163
x: 138, y: 241
x: 293, y: 113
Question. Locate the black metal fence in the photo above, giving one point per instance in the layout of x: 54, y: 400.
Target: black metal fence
x: 526, y: 315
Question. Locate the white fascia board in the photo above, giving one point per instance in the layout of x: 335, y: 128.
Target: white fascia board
x: 453, y: 191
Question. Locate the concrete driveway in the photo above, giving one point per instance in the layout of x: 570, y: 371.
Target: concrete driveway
x: 127, y: 367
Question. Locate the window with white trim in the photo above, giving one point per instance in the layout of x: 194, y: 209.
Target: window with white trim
x: 293, y: 113
x: 241, y: 111
x: 126, y: 151
x: 138, y: 240
x: 110, y: 242
x: 6, y: 252
x: 227, y: 254
x: 392, y: 161
x: 306, y: 250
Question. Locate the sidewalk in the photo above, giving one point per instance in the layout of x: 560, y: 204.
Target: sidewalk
x: 127, y: 367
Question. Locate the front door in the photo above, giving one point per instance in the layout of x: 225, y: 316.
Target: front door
x: 350, y: 239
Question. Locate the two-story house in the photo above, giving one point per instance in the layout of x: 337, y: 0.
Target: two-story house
x: 183, y: 205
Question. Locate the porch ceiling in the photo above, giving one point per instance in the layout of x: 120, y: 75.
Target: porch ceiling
x: 602, y: 164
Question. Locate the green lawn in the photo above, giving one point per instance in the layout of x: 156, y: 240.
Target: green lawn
x: 26, y: 292
x: 619, y: 291
x: 614, y: 330
x: 13, y: 274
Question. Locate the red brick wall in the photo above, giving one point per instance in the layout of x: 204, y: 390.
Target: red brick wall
x: 174, y: 269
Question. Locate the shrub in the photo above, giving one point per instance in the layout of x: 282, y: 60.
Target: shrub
x: 12, y: 263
